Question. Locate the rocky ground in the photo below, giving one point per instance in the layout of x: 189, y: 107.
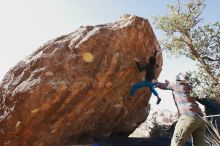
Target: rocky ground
x: 122, y: 141
x: 155, y: 131
x: 126, y: 141
x: 158, y: 124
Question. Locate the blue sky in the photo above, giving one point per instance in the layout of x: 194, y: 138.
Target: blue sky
x: 27, y: 24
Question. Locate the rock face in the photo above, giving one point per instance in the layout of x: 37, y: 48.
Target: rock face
x: 54, y: 97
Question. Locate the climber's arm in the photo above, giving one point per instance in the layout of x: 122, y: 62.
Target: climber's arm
x: 164, y: 86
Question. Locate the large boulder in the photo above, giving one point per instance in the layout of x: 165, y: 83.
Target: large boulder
x: 70, y: 90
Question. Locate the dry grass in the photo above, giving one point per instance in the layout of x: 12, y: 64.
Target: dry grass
x: 213, y: 136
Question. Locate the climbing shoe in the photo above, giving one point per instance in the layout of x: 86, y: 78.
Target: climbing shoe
x: 158, y: 100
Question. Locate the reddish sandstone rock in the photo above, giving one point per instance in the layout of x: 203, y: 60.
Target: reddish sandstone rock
x: 54, y: 97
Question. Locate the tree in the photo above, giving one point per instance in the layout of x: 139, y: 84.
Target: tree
x: 186, y: 34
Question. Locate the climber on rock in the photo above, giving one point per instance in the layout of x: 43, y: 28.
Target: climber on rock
x: 190, y: 120
x: 150, y: 79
